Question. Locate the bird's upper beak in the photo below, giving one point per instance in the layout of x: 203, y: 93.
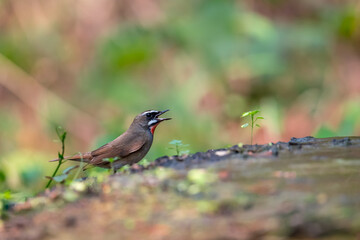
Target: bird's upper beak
x: 160, y: 113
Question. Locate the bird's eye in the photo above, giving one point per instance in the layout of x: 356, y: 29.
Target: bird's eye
x: 148, y: 115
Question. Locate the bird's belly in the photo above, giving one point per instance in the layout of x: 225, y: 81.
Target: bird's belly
x: 137, y: 156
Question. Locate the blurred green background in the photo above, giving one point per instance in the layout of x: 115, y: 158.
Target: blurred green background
x: 92, y: 65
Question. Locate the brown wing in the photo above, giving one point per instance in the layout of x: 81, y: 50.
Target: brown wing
x: 121, y: 147
x: 101, y: 150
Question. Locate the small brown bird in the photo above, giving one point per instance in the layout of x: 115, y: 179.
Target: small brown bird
x: 130, y: 147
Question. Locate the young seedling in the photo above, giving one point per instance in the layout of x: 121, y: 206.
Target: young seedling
x: 61, y: 133
x: 111, y: 161
x: 144, y: 162
x: 179, y: 147
x: 125, y: 169
x: 5, y: 203
x: 253, y: 121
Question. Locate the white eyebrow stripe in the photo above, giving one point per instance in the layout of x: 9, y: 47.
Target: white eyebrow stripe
x: 152, y: 122
x: 151, y: 111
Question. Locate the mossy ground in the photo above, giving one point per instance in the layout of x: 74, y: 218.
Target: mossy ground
x: 306, y: 188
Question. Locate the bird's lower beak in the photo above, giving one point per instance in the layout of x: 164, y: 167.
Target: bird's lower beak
x: 160, y: 113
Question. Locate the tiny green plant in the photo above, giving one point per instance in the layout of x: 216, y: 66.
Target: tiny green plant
x: 253, y: 121
x: 111, y: 161
x: 61, y: 133
x: 125, y: 169
x: 144, y: 162
x: 5, y: 198
x: 179, y: 147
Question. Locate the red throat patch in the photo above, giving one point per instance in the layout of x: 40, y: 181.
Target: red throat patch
x: 152, y: 128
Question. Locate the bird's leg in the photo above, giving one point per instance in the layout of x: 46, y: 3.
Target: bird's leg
x: 115, y: 169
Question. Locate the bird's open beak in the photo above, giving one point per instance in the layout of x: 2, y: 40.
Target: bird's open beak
x: 160, y: 113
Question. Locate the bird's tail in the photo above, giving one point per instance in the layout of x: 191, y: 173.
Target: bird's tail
x: 80, y: 157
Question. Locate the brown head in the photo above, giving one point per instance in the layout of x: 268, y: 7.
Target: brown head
x: 150, y: 119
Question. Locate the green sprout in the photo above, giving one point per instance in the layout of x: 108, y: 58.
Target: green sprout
x: 125, y: 168
x: 111, y: 161
x: 144, y: 162
x: 179, y: 147
x: 61, y: 133
x: 252, y: 115
x: 5, y: 201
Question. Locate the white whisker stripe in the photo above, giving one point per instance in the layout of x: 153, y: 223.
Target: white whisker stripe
x: 152, y: 122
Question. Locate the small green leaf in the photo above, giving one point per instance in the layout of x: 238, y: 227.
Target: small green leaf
x: 175, y: 142
x: 244, y: 125
x: 61, y: 133
x: 124, y: 168
x: 259, y: 118
x: 60, y: 178
x: 254, y: 112
x: 69, y: 169
x: 257, y: 125
x: 245, y: 114
x: 6, y: 195
x: 144, y: 162
x: 63, y: 136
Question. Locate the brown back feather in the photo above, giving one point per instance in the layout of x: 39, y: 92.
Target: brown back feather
x: 120, y: 147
